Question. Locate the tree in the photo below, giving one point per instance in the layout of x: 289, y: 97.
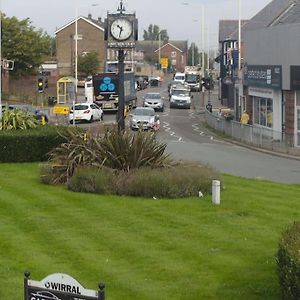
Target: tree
x: 24, y: 44
x: 152, y: 34
x: 193, y: 55
x: 88, y: 64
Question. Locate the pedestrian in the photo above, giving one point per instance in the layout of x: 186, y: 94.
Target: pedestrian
x: 209, y: 107
x: 220, y: 112
x: 245, y: 118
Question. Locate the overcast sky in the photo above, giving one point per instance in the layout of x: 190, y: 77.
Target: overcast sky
x: 181, y: 18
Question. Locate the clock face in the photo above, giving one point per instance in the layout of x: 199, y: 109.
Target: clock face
x: 121, y: 29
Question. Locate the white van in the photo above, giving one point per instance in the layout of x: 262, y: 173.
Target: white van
x: 179, y: 77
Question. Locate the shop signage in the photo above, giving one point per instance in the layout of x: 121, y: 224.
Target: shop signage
x: 295, y: 77
x: 59, y: 286
x: 263, y: 76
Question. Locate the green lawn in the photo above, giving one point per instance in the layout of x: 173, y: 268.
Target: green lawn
x: 144, y: 248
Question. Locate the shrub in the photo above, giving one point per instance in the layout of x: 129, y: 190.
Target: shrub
x: 92, y: 180
x: 30, y: 145
x: 115, y: 150
x: 74, y: 153
x: 17, y: 119
x: 288, y: 263
x: 129, y: 150
x: 183, y: 180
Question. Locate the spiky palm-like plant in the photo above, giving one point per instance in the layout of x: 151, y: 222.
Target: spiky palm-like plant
x: 17, y: 119
x: 116, y: 150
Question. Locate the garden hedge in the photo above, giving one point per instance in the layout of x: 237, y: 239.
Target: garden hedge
x: 30, y: 145
x: 289, y: 263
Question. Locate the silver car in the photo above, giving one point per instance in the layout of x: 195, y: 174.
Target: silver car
x: 154, y: 100
x: 144, y: 118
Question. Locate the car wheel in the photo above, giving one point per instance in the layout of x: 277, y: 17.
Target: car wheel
x: 162, y: 109
x: 91, y: 119
x: 101, y: 117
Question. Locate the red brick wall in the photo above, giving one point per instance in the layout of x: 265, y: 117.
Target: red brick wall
x: 289, y: 112
x: 167, y: 50
x: 92, y: 40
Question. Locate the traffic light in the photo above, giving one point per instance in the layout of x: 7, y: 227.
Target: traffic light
x: 207, y: 83
x: 41, y: 86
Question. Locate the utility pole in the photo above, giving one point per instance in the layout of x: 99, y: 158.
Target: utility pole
x: 202, y: 38
x: 121, y: 105
x: 193, y: 54
x: 159, y: 50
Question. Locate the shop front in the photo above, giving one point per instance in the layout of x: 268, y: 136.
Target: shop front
x: 265, y: 97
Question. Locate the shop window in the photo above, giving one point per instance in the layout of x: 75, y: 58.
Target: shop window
x: 263, y: 111
x: 298, y: 98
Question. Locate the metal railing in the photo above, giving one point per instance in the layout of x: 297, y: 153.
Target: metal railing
x: 261, y: 137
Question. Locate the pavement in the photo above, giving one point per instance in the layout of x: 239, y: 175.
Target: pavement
x: 213, y: 99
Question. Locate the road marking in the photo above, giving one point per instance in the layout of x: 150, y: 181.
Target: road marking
x: 167, y: 128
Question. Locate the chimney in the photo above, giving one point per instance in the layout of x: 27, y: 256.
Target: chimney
x: 90, y: 16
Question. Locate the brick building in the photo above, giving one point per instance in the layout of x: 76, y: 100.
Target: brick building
x: 175, y: 51
x: 90, y: 39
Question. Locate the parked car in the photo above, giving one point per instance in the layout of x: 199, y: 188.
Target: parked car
x: 87, y: 112
x: 180, y: 98
x: 154, y: 100
x: 144, y: 118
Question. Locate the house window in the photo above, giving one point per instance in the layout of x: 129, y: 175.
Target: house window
x: 173, y: 54
x: 263, y: 111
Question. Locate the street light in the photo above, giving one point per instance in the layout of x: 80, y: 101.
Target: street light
x: 76, y: 45
x: 240, y: 33
x: 202, y: 35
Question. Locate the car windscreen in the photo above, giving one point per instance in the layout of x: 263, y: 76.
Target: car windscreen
x: 180, y: 93
x: 192, y: 77
x: 81, y: 107
x: 143, y: 112
x: 179, y: 78
x: 152, y: 96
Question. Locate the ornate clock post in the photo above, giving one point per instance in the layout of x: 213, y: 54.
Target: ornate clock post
x: 121, y: 34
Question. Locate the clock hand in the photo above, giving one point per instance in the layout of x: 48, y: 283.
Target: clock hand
x: 121, y: 29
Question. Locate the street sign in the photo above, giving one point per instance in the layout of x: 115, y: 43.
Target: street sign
x: 61, y: 110
x: 59, y: 286
x: 164, y: 62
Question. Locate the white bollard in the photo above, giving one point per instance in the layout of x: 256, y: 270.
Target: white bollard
x: 216, y: 192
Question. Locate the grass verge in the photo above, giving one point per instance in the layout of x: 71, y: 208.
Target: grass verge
x: 144, y: 248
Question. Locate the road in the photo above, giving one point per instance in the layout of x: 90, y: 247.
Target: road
x: 187, y: 139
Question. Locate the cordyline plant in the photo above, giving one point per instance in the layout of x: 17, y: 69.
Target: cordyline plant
x: 120, y: 151
x: 17, y: 119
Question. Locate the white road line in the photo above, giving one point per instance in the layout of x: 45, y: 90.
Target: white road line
x: 167, y: 128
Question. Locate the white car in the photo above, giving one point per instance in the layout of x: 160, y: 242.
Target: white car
x: 179, y: 77
x: 144, y: 118
x: 180, y: 98
x: 87, y: 112
x: 154, y: 100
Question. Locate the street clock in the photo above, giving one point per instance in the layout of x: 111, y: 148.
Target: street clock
x: 121, y: 30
